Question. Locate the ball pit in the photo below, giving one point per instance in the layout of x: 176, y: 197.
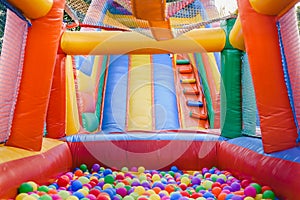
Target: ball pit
x: 101, y: 183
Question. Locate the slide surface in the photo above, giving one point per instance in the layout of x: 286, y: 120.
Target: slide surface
x: 141, y: 95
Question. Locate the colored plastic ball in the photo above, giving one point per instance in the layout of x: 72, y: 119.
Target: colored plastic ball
x: 83, y: 167
x: 76, y: 185
x: 45, y: 197
x: 128, y: 198
x: 109, y: 179
x: 257, y: 187
x: 25, y: 188
x: 107, y: 171
x: 63, y: 181
x: 95, y: 167
x: 64, y: 194
x: 250, y: 191
x: 141, y: 169
x: 174, y: 169
x: 268, y: 194
x: 175, y: 196
x: 235, y: 186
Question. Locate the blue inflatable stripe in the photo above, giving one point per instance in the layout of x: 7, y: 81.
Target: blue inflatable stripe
x: 115, y: 102
x: 85, y: 64
x: 166, y: 112
x: 144, y: 136
x: 16, y: 11
x: 287, y: 80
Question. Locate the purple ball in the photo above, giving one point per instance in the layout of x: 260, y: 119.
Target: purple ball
x: 228, y: 188
x: 196, y: 181
x: 95, y: 167
x: 250, y: 191
x: 235, y: 186
x: 220, y: 180
x: 121, y: 191
x: 236, y: 197
x: 135, y: 183
x: 159, y: 184
x: 145, y: 184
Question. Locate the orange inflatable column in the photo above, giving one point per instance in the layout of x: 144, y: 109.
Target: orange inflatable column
x: 56, y: 114
x: 262, y: 45
x: 39, y: 61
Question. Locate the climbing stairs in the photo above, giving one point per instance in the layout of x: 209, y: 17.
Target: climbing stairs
x: 191, y: 99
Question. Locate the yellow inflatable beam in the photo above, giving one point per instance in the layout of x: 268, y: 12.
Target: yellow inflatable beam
x: 33, y: 9
x: 115, y: 42
x: 272, y: 7
x: 236, y: 37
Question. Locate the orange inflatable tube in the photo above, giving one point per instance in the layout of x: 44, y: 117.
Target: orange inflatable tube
x: 261, y: 41
x: 56, y: 114
x: 40, y: 53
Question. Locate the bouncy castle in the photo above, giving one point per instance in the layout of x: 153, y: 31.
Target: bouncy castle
x: 160, y: 84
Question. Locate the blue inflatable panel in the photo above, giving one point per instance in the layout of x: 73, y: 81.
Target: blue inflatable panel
x: 255, y: 144
x: 143, y: 136
x: 165, y: 102
x: 85, y: 64
x: 115, y: 102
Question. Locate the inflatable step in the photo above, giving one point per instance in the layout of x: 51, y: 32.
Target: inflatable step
x: 185, y: 69
x: 188, y: 80
x: 182, y: 62
x: 193, y: 103
x: 191, y: 91
x: 198, y: 115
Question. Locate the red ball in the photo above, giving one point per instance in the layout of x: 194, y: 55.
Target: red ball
x: 182, y: 186
x: 264, y: 188
x: 103, y: 196
x: 95, y: 192
x: 63, y: 181
x: 185, y: 193
x: 216, y: 184
x: 196, y: 195
x: 245, y: 183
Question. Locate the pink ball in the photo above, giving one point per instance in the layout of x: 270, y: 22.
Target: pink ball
x: 250, y: 191
x: 122, y: 192
x: 91, y: 197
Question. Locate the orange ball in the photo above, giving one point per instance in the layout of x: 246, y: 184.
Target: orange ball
x: 169, y: 188
x: 216, y: 191
x: 78, y: 172
x: 222, y: 196
x: 156, y: 190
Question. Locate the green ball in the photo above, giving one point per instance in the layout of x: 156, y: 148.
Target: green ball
x: 25, y: 188
x: 200, y: 187
x: 268, y: 194
x: 45, y: 197
x: 43, y: 188
x: 109, y: 179
x: 214, y: 177
x: 128, y: 198
x: 64, y: 194
x: 257, y: 187
x: 83, y: 167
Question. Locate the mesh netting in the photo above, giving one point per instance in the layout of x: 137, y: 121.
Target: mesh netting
x: 183, y: 15
x: 2, y: 23
x: 11, y: 63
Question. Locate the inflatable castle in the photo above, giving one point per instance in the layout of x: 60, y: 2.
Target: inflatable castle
x: 158, y: 84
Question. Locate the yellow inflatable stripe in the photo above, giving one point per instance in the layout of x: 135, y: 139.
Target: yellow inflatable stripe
x: 12, y: 153
x: 215, y: 71
x: 140, y: 93
x: 72, y: 121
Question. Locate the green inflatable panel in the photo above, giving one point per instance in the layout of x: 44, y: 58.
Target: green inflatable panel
x: 90, y: 121
x: 231, y: 111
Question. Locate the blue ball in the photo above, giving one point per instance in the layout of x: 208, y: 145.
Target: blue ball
x: 229, y: 196
x: 107, y: 171
x: 208, y: 194
x: 174, y: 169
x: 175, y: 196
x: 78, y: 194
x: 76, y: 185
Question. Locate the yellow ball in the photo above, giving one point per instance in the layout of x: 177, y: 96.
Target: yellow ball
x: 258, y: 197
x: 29, y: 198
x: 139, y: 190
x: 154, y: 197
x: 207, y: 184
x: 164, y: 192
x: 155, y: 177
x: 72, y: 198
x: 249, y: 198
x: 107, y: 185
x: 151, y: 192
x: 185, y: 180
x: 21, y: 196
x: 84, y: 191
x: 141, y: 169
x: 33, y: 184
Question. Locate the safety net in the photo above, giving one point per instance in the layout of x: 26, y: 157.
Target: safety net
x: 178, y: 16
